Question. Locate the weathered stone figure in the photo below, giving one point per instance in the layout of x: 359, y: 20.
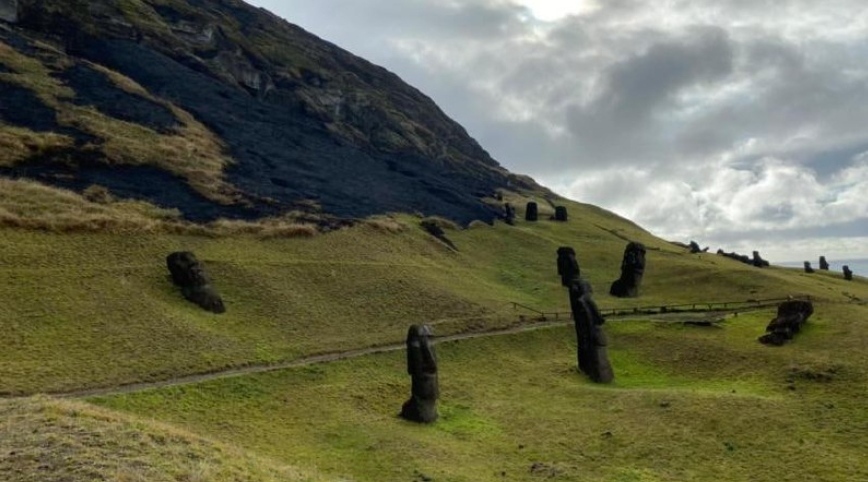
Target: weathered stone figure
x: 189, y: 274
x: 808, y: 268
x: 848, y: 273
x: 824, y: 265
x: 531, y: 212
x: 568, y: 266
x: 422, y: 367
x: 791, y: 316
x: 758, y: 261
x: 561, y: 214
x: 632, y: 270
x: 592, y: 355
x: 509, y: 214
x: 694, y: 247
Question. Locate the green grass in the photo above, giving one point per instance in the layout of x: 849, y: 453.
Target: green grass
x: 688, y: 404
x: 69, y: 303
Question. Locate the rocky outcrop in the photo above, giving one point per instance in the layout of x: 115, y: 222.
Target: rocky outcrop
x: 632, y: 272
x: 9, y: 11
x: 422, y: 367
x: 531, y: 212
x: 189, y: 274
x: 756, y: 260
x: 789, y: 320
x: 808, y: 268
x: 593, y: 358
x: 568, y: 266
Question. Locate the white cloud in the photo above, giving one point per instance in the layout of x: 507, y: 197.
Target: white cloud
x: 728, y: 121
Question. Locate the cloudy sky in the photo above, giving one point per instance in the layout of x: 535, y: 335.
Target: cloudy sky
x: 742, y: 124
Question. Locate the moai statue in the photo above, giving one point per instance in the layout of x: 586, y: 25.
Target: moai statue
x: 592, y: 355
x: 808, y: 268
x: 694, y: 247
x: 848, y: 273
x: 791, y: 316
x: 531, y: 212
x: 824, y: 265
x: 632, y: 270
x: 509, y: 214
x: 568, y: 266
x: 758, y: 261
x: 422, y: 367
x: 189, y: 274
x: 561, y: 214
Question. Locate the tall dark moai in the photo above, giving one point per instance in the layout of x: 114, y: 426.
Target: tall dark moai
x: 422, y: 367
x: 758, y: 261
x: 509, y: 214
x: 848, y: 273
x: 591, y: 341
x: 808, y: 268
x: 561, y: 214
x: 189, y: 274
x: 694, y: 247
x: 568, y: 266
x: 531, y: 212
x: 632, y: 271
x: 824, y: 265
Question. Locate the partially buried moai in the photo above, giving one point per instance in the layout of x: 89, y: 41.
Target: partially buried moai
x: 824, y: 265
x: 422, y: 367
x: 632, y: 271
x: 561, y: 214
x: 531, y: 212
x: 808, y: 268
x: 568, y: 266
x: 848, y: 273
x: 509, y: 213
x: 189, y: 274
x: 590, y: 339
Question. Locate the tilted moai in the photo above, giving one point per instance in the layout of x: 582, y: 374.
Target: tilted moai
x: 561, y: 214
x: 189, y: 274
x: 808, y: 268
x: 632, y: 271
x: 848, y: 273
x: 422, y: 367
x: 568, y: 266
x: 531, y: 212
x: 509, y: 214
x: 791, y: 316
x: 758, y: 261
x: 824, y: 265
x: 591, y: 341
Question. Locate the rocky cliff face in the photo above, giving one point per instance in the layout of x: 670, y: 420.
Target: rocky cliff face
x: 222, y: 109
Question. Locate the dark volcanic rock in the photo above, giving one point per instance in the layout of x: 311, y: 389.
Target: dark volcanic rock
x: 531, y: 212
x: 94, y: 88
x: 189, y: 274
x: 848, y: 273
x: 808, y: 268
x: 592, y: 354
x: 422, y: 367
x: 302, y: 119
x: 568, y: 266
x: 632, y: 271
x: 758, y: 261
x: 560, y: 214
x: 824, y: 265
x: 791, y: 316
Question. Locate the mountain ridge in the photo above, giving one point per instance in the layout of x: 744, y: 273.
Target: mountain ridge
x: 265, y: 117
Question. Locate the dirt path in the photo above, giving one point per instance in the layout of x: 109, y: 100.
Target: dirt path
x: 344, y: 355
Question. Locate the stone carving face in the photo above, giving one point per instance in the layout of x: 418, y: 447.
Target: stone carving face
x: 189, y: 274
x: 591, y: 341
x: 422, y: 367
x: 789, y: 320
x: 632, y: 271
x: 568, y: 266
x: 634, y: 259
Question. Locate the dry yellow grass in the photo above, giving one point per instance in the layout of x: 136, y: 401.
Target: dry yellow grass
x: 52, y: 440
